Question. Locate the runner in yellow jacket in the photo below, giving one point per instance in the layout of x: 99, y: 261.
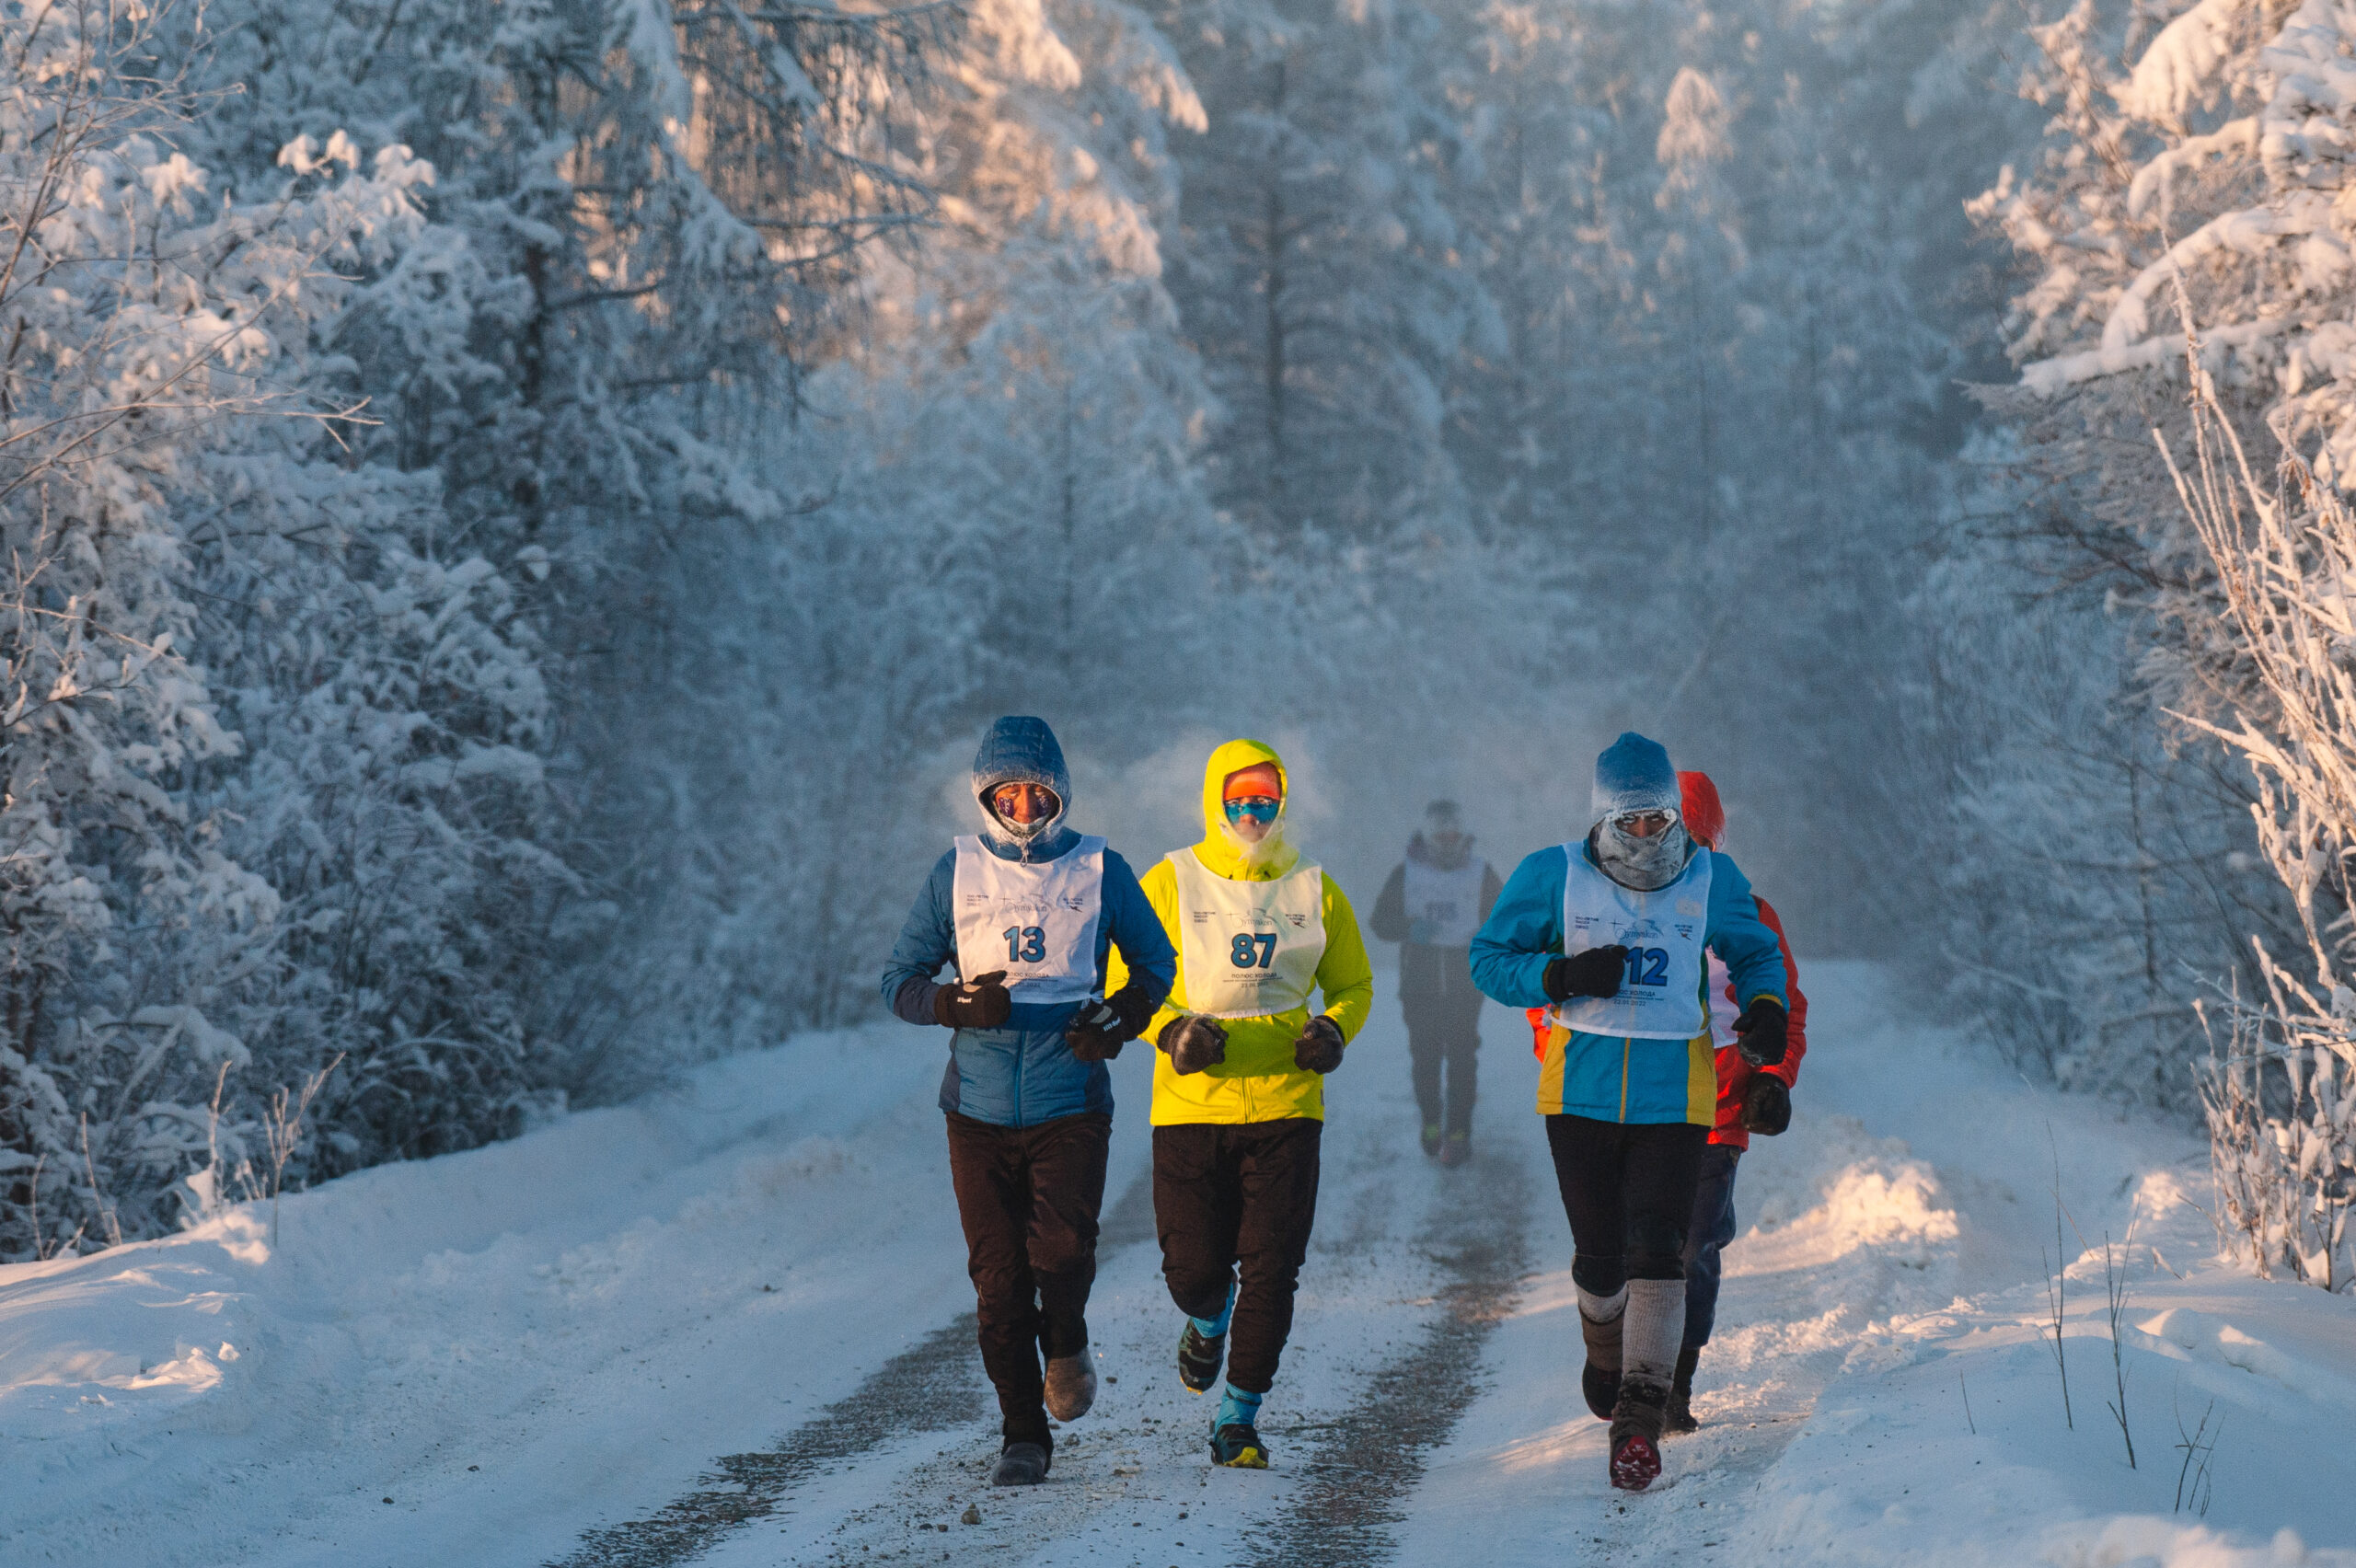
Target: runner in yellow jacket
x: 1239, y: 1099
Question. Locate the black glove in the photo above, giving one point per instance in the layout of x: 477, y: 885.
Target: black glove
x: 1759, y: 1032
x: 1595, y: 973
x: 1194, y: 1043
x: 1099, y: 1029
x: 1318, y: 1048
x: 1767, y: 1109
x: 979, y: 1003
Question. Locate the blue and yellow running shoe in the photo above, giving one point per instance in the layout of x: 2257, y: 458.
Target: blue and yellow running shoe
x: 1238, y: 1447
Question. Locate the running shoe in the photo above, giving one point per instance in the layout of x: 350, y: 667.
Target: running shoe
x: 1200, y: 1355
x: 1071, y: 1386
x: 1680, y: 1419
x: 1238, y: 1447
x: 1637, y: 1424
x: 1601, y: 1389
x: 1021, y: 1464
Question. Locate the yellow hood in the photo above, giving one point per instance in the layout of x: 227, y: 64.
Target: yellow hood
x: 1221, y: 851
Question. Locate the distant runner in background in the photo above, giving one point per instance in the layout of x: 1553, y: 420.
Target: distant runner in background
x: 1239, y: 1098
x: 1750, y: 1099
x: 1432, y: 904
x: 1029, y: 913
x: 1611, y: 932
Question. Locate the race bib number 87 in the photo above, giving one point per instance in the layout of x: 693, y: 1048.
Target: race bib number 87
x: 1253, y: 949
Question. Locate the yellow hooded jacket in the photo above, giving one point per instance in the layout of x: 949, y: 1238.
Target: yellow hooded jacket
x: 1258, y: 1081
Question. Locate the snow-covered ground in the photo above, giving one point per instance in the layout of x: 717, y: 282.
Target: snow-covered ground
x: 723, y: 1326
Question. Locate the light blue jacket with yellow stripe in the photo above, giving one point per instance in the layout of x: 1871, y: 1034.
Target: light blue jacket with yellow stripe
x: 1618, y: 1079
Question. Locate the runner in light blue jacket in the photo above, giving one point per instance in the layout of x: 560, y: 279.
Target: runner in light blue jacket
x: 1613, y: 934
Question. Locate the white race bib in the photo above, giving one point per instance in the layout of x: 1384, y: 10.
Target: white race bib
x: 1448, y: 902
x: 1661, y: 991
x: 1036, y: 922
x: 1248, y: 948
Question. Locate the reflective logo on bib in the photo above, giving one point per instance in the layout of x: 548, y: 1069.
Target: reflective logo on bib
x: 1248, y: 948
x: 1036, y: 922
x: 1660, y: 992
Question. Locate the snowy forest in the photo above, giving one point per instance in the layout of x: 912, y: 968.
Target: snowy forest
x: 517, y: 512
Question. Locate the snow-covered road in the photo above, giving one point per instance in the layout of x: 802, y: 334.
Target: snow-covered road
x: 724, y: 1326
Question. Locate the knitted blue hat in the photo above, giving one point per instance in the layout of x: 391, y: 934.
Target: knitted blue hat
x: 1634, y: 775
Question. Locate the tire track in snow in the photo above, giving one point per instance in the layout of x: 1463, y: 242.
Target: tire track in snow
x: 1353, y: 1486
x: 935, y: 1386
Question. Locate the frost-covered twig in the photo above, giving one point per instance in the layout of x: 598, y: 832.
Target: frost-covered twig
x: 2197, y: 1445
x: 2057, y: 1290
x: 2115, y: 1287
x: 282, y: 1123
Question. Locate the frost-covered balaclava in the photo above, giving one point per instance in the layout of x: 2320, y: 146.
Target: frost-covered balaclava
x: 1633, y: 777
x: 1021, y: 750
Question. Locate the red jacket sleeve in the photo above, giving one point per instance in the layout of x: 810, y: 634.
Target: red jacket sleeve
x: 1796, y: 1032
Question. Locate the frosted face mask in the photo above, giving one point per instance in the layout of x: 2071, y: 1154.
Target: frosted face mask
x: 1023, y: 810
x: 1644, y: 850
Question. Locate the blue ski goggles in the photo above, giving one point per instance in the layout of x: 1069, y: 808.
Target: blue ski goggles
x: 1262, y: 809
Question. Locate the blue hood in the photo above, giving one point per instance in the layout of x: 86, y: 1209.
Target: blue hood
x: 1634, y: 775
x: 1022, y: 750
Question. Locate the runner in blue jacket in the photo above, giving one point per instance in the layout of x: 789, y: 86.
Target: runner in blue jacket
x: 1610, y: 934
x: 1027, y: 912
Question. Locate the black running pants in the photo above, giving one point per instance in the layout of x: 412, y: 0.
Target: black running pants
x: 1628, y: 1189
x: 1711, y: 1229
x: 1237, y: 1198
x: 1027, y: 1198
x: 1443, y: 1013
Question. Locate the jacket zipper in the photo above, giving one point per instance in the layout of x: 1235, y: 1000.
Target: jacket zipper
x: 1627, y: 1048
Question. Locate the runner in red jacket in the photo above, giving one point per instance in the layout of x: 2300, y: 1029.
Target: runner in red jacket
x: 1750, y: 1099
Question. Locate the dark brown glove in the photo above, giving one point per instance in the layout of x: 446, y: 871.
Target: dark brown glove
x: 1194, y: 1043
x: 979, y: 1003
x: 1767, y: 1108
x: 1099, y: 1029
x: 1318, y: 1048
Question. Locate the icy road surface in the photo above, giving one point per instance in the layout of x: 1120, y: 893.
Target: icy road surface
x: 729, y: 1326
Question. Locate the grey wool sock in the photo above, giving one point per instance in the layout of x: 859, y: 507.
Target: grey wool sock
x: 1655, y: 1328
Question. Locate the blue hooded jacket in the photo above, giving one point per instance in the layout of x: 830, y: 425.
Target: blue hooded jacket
x: 1021, y: 1073
x: 1608, y: 1078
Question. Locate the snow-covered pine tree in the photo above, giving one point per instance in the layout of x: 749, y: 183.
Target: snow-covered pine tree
x: 637, y: 214
x: 165, y: 326
x: 1550, y: 228
x: 1319, y: 273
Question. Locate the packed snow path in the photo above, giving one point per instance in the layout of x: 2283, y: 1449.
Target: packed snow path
x: 731, y: 1326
